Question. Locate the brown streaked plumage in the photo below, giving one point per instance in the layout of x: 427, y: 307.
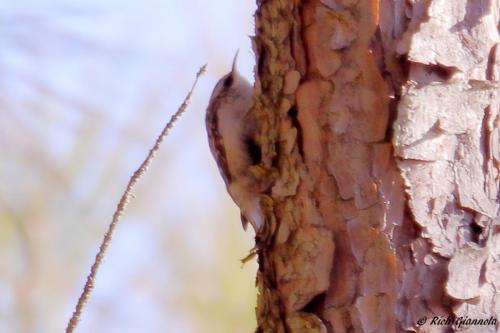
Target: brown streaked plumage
x: 216, y: 144
x: 229, y: 128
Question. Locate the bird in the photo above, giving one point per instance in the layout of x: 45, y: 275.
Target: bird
x: 231, y: 130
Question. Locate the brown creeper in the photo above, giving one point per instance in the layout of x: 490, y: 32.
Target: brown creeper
x: 231, y: 129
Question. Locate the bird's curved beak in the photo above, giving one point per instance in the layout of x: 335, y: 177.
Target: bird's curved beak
x: 233, y: 69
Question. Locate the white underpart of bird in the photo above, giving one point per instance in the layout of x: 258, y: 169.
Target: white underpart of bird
x: 230, y: 126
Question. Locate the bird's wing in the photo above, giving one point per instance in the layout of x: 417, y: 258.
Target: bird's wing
x: 216, y: 145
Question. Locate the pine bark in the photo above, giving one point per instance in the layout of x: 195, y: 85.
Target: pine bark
x: 380, y: 158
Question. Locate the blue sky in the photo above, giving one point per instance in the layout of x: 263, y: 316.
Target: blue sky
x: 113, y: 72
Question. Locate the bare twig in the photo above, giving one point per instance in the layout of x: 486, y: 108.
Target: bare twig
x: 124, y: 200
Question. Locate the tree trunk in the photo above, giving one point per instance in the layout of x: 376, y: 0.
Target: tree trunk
x: 380, y: 142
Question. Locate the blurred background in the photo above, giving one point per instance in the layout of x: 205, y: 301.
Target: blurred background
x: 85, y: 88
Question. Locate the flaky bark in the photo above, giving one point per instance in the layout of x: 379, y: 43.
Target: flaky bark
x: 380, y: 143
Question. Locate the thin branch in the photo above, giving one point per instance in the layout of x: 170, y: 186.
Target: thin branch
x: 124, y: 200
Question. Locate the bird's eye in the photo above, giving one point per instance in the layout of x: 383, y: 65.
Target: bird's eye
x: 228, y: 81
